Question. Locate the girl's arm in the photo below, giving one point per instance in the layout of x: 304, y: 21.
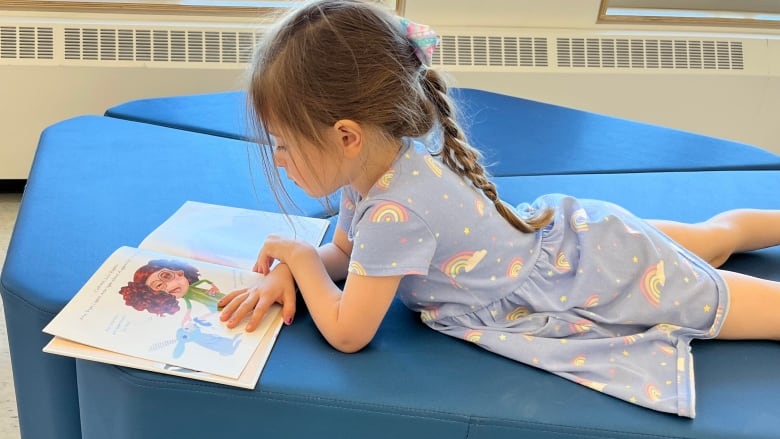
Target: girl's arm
x: 335, y: 255
x: 348, y: 319
x: 278, y: 286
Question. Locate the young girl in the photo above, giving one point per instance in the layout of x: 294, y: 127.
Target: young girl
x: 580, y: 288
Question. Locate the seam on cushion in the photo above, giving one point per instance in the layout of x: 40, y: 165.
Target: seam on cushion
x: 468, y: 427
x: 469, y: 420
x: 283, y: 397
x: 24, y: 301
x: 568, y: 430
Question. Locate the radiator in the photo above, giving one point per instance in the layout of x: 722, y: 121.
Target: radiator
x: 54, y: 67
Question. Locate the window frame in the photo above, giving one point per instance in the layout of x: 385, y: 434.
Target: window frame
x: 671, y: 17
x: 152, y: 7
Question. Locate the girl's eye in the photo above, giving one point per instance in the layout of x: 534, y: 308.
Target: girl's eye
x: 275, y: 144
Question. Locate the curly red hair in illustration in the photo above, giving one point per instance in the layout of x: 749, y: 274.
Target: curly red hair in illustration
x: 138, y: 295
x: 141, y: 297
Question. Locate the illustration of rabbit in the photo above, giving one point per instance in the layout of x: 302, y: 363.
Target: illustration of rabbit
x: 191, y: 333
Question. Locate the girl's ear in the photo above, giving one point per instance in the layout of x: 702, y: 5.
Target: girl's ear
x: 350, y: 137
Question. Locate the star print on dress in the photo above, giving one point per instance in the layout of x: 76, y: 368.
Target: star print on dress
x: 580, y: 298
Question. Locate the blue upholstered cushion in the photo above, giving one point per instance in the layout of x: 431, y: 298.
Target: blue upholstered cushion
x: 98, y: 183
x: 518, y: 136
x: 219, y: 114
x: 413, y: 382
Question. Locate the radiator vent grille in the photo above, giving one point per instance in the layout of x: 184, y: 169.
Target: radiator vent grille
x: 495, y: 51
x: 229, y: 47
x: 650, y: 53
x: 159, y: 45
x: 26, y: 42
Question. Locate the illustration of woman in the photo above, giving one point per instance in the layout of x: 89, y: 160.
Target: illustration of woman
x: 157, y: 287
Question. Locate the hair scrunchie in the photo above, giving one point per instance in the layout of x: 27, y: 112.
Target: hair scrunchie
x: 423, y: 38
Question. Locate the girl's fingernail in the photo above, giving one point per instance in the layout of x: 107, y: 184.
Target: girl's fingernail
x: 288, y: 321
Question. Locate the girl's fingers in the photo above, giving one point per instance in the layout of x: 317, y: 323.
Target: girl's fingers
x: 245, y: 307
x: 228, y: 310
x: 235, y: 311
x: 230, y: 296
x: 263, y: 263
x: 262, y: 267
x: 261, y: 308
x: 288, y: 307
x: 228, y: 304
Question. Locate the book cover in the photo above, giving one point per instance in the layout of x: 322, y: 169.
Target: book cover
x: 155, y: 307
x: 228, y: 236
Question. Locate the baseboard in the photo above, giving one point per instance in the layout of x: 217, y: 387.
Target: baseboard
x: 12, y: 185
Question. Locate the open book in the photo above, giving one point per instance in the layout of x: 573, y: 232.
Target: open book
x: 155, y: 307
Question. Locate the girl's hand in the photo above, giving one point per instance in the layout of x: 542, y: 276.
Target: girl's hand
x: 276, y: 287
x: 281, y: 249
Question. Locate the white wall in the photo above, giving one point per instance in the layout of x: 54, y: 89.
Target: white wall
x: 34, y: 97
x: 739, y: 108
x: 504, y: 13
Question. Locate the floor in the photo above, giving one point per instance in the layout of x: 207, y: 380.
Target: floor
x: 9, y: 421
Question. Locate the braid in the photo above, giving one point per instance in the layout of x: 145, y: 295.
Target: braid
x: 465, y: 160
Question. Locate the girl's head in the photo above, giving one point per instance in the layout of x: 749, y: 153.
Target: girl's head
x: 330, y: 61
x: 337, y: 60
x: 157, y: 285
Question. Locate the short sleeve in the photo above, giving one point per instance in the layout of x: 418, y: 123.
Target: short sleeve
x: 349, y: 199
x: 390, y: 240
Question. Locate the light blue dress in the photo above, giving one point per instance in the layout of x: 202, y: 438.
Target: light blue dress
x: 598, y: 297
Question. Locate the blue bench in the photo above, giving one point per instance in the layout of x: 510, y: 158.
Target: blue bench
x: 98, y: 183
x: 517, y: 136
x: 92, y: 188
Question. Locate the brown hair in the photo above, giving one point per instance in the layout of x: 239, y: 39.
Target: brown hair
x: 347, y: 59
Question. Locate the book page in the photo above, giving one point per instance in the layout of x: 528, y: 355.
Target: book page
x: 163, y: 309
x: 247, y: 380
x: 228, y: 235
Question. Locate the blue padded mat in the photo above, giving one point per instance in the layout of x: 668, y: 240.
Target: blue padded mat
x: 98, y: 183
x: 413, y: 382
x: 517, y: 136
x: 147, y: 173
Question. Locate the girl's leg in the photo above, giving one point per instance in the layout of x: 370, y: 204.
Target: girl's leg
x: 753, y: 311
x: 716, y: 239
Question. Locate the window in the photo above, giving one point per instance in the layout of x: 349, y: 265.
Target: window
x: 194, y: 7
x: 749, y: 13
